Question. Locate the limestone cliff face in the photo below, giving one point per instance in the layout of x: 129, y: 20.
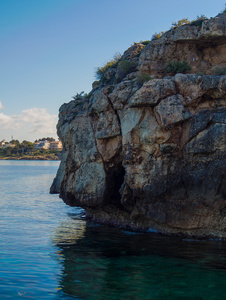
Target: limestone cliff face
x: 152, y: 156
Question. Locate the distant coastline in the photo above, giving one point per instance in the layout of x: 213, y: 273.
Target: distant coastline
x: 43, y: 149
x: 49, y: 157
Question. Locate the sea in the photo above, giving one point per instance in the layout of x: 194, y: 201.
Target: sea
x: 49, y: 250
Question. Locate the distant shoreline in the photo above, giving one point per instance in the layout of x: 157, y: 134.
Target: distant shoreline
x: 30, y: 158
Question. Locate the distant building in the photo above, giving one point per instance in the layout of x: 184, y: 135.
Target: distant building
x: 36, y: 144
x: 2, y: 143
x: 56, y: 145
x: 42, y: 145
x: 8, y: 145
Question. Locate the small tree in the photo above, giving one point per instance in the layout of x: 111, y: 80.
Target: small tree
x: 49, y: 139
x: 156, y: 36
x: 26, y: 147
x: 80, y: 96
x: 14, y: 142
x: 145, y: 42
x: 199, y: 20
x: 180, y: 23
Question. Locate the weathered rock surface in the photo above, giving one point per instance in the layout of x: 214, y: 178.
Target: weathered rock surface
x: 152, y: 157
x: 203, y: 47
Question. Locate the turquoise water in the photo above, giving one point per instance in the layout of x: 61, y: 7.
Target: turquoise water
x: 49, y: 251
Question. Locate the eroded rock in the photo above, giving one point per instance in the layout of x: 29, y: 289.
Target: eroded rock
x: 153, y: 156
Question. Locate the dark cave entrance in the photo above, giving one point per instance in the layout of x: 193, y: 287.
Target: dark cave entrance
x: 114, y: 180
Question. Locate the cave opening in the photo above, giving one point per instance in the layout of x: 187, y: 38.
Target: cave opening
x: 114, y: 180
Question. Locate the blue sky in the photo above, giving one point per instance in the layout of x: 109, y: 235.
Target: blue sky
x: 51, y: 48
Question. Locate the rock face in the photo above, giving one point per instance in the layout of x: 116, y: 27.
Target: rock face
x: 152, y: 155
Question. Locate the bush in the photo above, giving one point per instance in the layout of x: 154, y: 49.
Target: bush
x: 111, y: 64
x: 220, y: 71
x: 145, y: 42
x: 127, y: 66
x: 198, y: 21
x: 180, y: 23
x: 156, y: 36
x: 81, y: 96
x: 124, y: 68
x: 142, y: 78
x: 177, y: 67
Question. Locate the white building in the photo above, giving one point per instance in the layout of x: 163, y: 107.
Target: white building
x: 42, y: 145
x: 2, y: 143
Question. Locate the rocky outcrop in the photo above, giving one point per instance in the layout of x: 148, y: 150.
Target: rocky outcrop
x: 202, y: 46
x: 151, y: 156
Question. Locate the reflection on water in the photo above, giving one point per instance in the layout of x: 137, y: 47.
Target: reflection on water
x: 99, y: 262
x: 71, y: 229
x: 49, y: 251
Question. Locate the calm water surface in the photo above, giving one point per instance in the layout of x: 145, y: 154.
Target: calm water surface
x: 49, y: 251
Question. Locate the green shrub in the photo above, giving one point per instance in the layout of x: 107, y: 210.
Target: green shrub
x: 156, y: 36
x: 198, y: 21
x: 142, y: 78
x: 111, y: 64
x: 124, y: 68
x: 145, y: 42
x: 180, y: 23
x: 127, y: 66
x: 177, y: 67
x: 81, y: 96
x: 220, y: 71
x: 102, y: 70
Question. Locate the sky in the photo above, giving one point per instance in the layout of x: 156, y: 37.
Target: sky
x: 50, y: 50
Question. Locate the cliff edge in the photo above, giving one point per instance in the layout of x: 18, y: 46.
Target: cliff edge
x: 146, y: 148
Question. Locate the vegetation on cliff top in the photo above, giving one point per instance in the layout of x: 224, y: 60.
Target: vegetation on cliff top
x: 157, y: 35
x: 122, y: 66
x: 80, y: 96
x: 117, y: 68
x: 110, y: 64
x: 185, y: 21
x: 181, y: 22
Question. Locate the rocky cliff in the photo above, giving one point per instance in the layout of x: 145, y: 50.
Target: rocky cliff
x: 150, y: 153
